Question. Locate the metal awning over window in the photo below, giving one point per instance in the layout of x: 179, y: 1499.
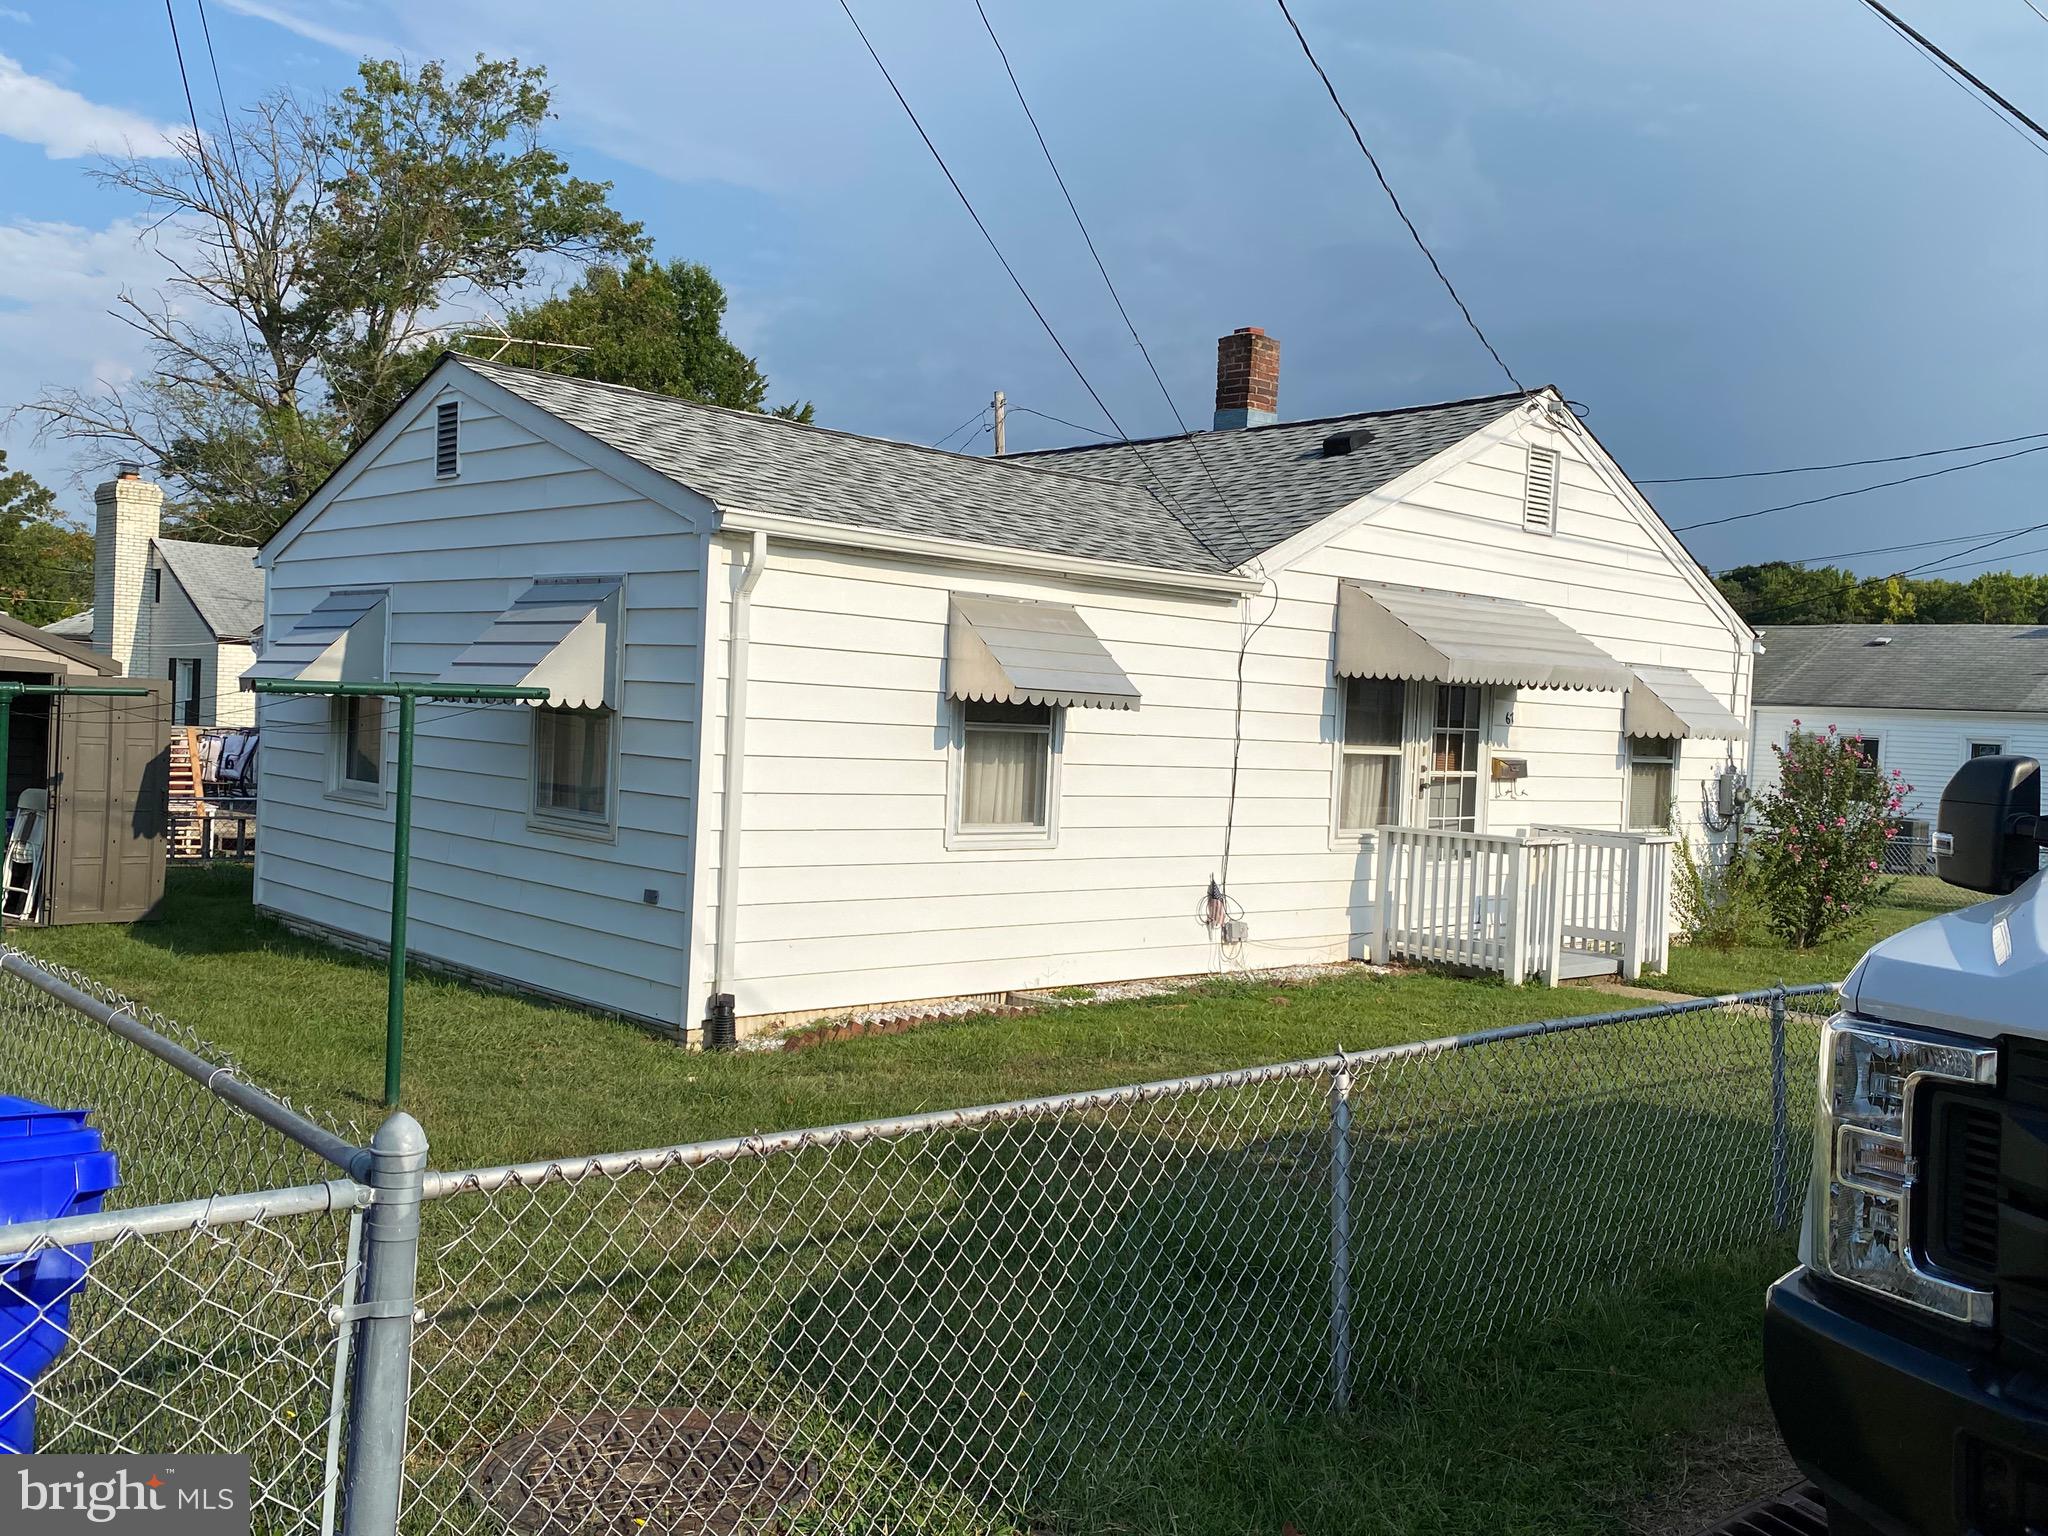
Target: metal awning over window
x: 1454, y: 637
x: 1006, y: 650
x: 1670, y: 701
x: 560, y: 634
x: 340, y: 641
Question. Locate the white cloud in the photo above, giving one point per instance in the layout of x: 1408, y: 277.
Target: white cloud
x: 9, y: 13
x: 58, y: 283
x: 66, y: 125
x: 296, y: 22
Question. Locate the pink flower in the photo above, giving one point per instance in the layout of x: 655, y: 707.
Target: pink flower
x: 1795, y: 725
x: 1873, y: 863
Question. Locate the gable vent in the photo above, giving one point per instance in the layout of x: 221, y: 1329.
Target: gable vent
x: 446, y: 428
x: 1539, y: 491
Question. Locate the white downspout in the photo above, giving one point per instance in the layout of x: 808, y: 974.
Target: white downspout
x: 737, y: 636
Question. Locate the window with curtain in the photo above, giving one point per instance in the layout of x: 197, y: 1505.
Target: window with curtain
x: 1370, y: 773
x: 358, y: 727
x: 572, y: 765
x: 1652, y: 765
x: 1005, y: 768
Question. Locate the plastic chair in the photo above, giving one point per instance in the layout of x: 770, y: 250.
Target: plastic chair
x: 25, y: 839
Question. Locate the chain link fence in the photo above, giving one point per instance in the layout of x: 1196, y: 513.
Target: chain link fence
x: 978, y: 1320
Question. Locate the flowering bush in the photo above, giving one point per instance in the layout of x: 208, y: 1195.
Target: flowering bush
x: 1822, y: 833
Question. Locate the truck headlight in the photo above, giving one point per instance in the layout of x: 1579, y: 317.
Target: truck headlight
x: 1865, y: 1167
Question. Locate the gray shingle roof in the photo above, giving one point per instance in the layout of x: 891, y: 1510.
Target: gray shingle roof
x: 766, y: 464
x: 222, y: 581
x: 1984, y: 668
x: 1275, y: 479
x: 76, y: 627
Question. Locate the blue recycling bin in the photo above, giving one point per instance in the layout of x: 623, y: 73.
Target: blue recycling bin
x: 51, y: 1164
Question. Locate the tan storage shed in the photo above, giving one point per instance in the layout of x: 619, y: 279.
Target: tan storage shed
x: 106, y: 765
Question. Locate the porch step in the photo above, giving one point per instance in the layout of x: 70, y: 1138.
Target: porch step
x: 1575, y: 965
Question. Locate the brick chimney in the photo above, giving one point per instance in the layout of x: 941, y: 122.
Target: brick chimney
x: 1247, y: 379
x: 129, y: 513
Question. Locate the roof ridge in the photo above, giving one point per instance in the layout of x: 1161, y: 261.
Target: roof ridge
x: 1276, y: 426
x: 1007, y: 461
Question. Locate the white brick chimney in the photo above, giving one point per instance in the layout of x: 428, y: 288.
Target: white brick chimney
x: 129, y: 514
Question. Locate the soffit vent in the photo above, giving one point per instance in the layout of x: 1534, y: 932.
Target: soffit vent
x: 1539, y: 491
x: 446, y: 440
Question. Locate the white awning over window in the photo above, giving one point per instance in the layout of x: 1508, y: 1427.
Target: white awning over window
x: 1670, y: 701
x: 1453, y: 637
x: 340, y: 641
x: 1007, y: 650
x: 560, y: 634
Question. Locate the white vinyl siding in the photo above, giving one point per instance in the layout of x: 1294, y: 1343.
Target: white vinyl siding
x: 170, y: 629
x: 563, y: 914
x: 1926, y: 746
x: 853, y: 891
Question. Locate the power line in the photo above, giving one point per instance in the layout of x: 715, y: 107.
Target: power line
x: 1808, y: 469
x: 979, y: 412
x: 2018, y: 554
x: 1987, y: 544
x: 1164, y: 494
x: 1926, y: 46
x: 1115, y: 297
x: 177, y: 47
x: 213, y: 59
x: 1814, y: 501
x: 1413, y: 233
x: 1881, y: 549
x: 1048, y: 416
x: 2035, y: 9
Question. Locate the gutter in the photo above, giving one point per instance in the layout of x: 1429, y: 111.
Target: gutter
x: 1116, y: 573
x: 719, y: 1014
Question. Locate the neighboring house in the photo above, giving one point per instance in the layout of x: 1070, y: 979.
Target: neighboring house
x: 171, y: 608
x: 837, y: 721
x: 1925, y: 698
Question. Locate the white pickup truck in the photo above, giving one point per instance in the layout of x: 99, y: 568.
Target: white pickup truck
x: 1907, y: 1355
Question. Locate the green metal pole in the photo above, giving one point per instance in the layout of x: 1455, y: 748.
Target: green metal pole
x: 401, y: 878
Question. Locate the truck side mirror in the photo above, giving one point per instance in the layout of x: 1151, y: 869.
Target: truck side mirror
x: 1985, y: 840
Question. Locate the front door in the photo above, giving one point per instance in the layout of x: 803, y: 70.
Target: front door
x: 1450, y: 767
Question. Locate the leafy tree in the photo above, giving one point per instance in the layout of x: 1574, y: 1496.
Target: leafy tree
x: 45, y: 563
x: 1775, y: 593
x: 309, y: 248
x: 652, y: 325
x: 1821, y: 835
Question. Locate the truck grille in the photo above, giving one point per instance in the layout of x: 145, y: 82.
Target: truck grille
x: 1962, y: 1158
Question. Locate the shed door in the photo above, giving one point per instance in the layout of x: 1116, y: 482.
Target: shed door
x: 108, y: 798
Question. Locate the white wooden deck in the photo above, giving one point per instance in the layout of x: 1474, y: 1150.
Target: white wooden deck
x: 1556, y: 903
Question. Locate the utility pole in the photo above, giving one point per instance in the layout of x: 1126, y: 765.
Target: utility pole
x: 999, y: 423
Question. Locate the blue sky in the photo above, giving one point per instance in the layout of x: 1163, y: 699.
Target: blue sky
x: 1744, y: 235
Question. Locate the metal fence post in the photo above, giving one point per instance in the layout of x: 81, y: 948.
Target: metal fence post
x: 1340, y: 1237
x: 1781, y: 1144
x: 383, y: 1316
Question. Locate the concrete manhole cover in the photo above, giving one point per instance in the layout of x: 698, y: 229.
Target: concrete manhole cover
x: 643, y: 1472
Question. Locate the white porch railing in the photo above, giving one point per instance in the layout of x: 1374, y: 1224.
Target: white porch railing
x: 1554, y: 902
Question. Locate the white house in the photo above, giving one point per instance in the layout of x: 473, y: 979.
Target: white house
x: 836, y: 721
x: 1925, y: 698
x: 170, y: 608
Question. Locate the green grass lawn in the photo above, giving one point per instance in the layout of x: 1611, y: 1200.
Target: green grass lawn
x: 1707, y: 972
x: 1104, y: 1322
x: 499, y: 1078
